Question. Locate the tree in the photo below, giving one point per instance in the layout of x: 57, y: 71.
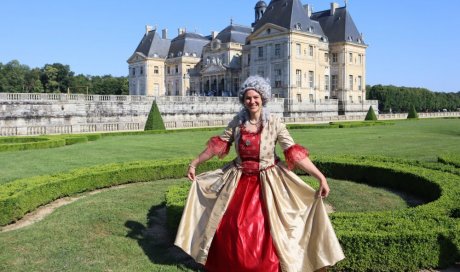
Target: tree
x: 370, y: 116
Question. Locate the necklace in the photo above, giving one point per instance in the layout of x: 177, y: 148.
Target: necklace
x: 254, y: 123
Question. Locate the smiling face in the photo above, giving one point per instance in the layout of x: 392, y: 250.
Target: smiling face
x: 252, y: 101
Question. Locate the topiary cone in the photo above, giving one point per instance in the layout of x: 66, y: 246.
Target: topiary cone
x: 154, y: 120
x: 412, y: 113
x: 370, y: 116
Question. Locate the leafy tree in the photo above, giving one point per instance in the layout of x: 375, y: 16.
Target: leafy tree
x: 13, y: 77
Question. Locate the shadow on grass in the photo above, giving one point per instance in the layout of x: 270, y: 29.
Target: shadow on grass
x: 156, y: 240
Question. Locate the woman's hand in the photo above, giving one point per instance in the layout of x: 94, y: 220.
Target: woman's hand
x: 323, y: 190
x: 191, y: 172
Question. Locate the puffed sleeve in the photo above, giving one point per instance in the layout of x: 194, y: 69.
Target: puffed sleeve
x: 220, y: 145
x: 292, y: 151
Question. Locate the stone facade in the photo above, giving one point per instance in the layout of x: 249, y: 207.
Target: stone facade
x: 315, y: 58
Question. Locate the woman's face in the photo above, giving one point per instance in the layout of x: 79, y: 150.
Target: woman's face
x: 252, y: 101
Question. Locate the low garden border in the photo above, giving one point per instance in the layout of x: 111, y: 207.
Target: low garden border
x: 42, y: 142
x: 425, y: 236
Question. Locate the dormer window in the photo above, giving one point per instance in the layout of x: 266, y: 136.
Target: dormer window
x: 298, y: 26
x: 268, y: 31
x: 310, y: 29
x: 179, y: 53
x: 171, y: 55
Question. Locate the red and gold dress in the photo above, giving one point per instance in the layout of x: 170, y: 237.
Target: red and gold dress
x: 254, y: 213
x: 242, y: 241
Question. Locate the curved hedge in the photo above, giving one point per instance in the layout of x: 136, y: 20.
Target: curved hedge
x: 450, y: 158
x: 425, y: 236
x: 27, y: 143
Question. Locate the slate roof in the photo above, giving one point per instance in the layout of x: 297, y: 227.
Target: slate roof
x: 152, y: 45
x: 187, y: 43
x: 288, y: 14
x: 234, y: 33
x: 338, y: 27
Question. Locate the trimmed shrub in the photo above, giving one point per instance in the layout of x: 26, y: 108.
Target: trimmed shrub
x: 450, y: 158
x: 370, y: 116
x: 154, y: 120
x: 26, y: 143
x: 425, y: 236
x: 412, y: 113
x: 75, y: 139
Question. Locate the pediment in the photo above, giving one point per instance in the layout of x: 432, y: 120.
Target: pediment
x: 136, y: 57
x: 213, y: 69
x: 267, y: 30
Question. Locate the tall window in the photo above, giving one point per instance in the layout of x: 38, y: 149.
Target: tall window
x: 278, y: 50
x: 350, y: 98
x: 299, y: 97
x: 133, y: 71
x: 278, y: 74
x: 177, y: 69
x: 142, y: 70
x: 261, y: 71
x: 260, y: 52
x: 326, y: 82
x: 350, y: 79
x: 360, y: 58
x: 326, y: 57
x: 298, y: 76
x: 334, y: 57
x: 156, y: 70
x: 298, y: 49
x: 360, y: 82
x: 311, y: 98
x: 311, y: 79
x: 310, y: 50
x: 350, y: 56
x: 168, y: 70
x: 334, y: 82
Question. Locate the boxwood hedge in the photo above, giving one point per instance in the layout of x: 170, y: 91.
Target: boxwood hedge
x: 41, y: 142
x: 425, y: 236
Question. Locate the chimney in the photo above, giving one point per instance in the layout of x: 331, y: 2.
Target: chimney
x: 214, y: 34
x: 308, y: 9
x: 334, y: 6
x: 164, y: 33
x: 148, y: 28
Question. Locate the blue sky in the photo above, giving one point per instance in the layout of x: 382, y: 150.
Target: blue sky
x: 411, y: 43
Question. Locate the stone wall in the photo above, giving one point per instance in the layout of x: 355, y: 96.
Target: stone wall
x: 35, y: 114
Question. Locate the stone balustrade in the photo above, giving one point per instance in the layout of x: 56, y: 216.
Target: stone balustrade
x: 37, y: 114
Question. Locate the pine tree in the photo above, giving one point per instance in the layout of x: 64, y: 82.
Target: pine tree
x: 370, y: 116
x: 412, y: 113
x: 154, y: 120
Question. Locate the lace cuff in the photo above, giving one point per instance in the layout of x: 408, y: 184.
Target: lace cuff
x: 294, y: 154
x: 218, y: 147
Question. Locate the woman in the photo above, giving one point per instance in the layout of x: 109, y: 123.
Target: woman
x: 255, y: 214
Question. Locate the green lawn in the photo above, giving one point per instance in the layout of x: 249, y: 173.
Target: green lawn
x: 107, y: 231
x: 418, y: 140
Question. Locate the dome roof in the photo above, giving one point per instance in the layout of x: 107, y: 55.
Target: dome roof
x: 261, y: 4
